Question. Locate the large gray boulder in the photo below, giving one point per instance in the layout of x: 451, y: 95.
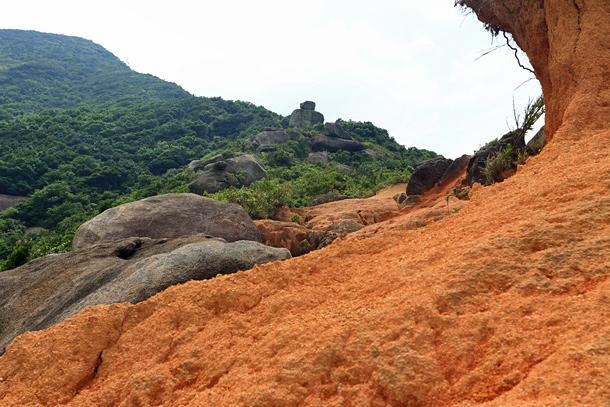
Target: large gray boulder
x: 305, y: 116
x: 46, y: 291
x: 238, y: 171
x: 426, y: 175
x: 248, y: 168
x: 335, y: 130
x: 334, y: 144
x: 168, y: 216
x: 266, y: 140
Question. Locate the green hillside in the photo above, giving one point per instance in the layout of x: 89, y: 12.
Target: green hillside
x: 40, y: 71
x: 76, y: 141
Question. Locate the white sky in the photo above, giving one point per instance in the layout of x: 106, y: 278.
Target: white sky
x: 407, y: 66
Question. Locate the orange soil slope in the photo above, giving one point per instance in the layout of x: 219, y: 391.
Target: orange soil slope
x: 506, y: 302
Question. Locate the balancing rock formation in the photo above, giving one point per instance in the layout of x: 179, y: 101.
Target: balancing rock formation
x: 505, y: 303
x: 305, y: 116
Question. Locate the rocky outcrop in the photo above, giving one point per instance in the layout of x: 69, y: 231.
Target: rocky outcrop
x: 46, y: 291
x: 335, y: 139
x: 267, y: 139
x: 214, y: 178
x: 286, y: 235
x: 334, y: 144
x: 305, y: 116
x: 168, y: 216
x: 319, y: 157
x: 241, y: 170
x: 427, y: 174
x: 456, y: 167
x: 335, y: 130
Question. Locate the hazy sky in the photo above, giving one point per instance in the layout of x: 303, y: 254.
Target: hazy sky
x: 407, y: 66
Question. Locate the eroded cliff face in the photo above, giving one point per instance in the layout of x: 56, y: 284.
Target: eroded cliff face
x: 506, y: 302
x: 567, y: 42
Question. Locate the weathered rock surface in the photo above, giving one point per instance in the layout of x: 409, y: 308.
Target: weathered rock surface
x: 318, y: 157
x: 286, y: 235
x: 334, y: 144
x: 456, y: 167
x: 514, y: 315
x: 427, y: 174
x: 305, y: 116
x: 168, y: 216
x: 241, y: 170
x: 48, y: 290
x: 335, y: 130
x: 266, y: 140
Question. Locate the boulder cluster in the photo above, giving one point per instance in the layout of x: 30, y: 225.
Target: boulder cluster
x: 220, y: 172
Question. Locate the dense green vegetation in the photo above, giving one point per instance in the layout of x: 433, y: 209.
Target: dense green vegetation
x: 75, y: 154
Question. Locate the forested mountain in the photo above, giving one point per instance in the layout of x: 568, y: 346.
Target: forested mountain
x: 40, y: 71
x: 80, y: 132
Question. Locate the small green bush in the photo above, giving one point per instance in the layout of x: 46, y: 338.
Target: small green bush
x: 18, y: 257
x: 497, y: 163
x: 262, y: 199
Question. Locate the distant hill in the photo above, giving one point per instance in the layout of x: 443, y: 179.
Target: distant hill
x: 39, y: 71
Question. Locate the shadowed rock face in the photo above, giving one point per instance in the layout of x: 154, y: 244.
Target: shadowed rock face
x: 427, y: 174
x: 168, y: 216
x: 48, y: 290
